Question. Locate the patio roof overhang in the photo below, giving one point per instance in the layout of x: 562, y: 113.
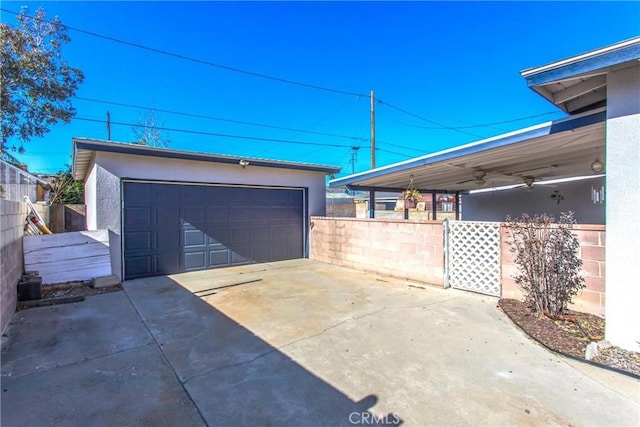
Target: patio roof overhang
x: 558, y: 149
x: 579, y: 83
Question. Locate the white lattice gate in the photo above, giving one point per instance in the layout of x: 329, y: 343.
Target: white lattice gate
x: 473, y: 256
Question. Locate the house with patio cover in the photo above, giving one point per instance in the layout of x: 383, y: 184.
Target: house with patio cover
x: 598, y: 141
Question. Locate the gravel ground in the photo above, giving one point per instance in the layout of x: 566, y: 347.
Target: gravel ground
x: 571, y: 335
x: 73, y: 289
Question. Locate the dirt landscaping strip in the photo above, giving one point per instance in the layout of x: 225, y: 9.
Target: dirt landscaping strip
x: 570, y: 338
x: 49, y: 301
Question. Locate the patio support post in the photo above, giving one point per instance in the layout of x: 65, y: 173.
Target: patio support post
x: 372, y: 204
x: 434, y: 205
x: 457, y: 206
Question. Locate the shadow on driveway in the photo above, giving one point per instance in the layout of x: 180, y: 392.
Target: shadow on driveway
x: 292, y: 343
x: 159, y: 355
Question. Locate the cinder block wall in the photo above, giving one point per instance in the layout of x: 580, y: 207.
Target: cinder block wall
x: 12, y: 220
x: 411, y: 250
x: 347, y: 210
x: 592, y: 240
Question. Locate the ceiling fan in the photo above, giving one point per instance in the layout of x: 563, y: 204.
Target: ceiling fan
x: 528, y: 182
x: 478, y: 178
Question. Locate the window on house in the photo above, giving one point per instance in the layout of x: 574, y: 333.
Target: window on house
x: 447, y: 206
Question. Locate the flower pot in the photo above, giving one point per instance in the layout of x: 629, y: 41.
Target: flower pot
x: 410, y: 204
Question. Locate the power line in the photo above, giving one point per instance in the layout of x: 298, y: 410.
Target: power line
x: 195, y: 132
x: 201, y: 61
x: 402, y: 110
x: 483, y: 124
x: 201, y: 116
x: 402, y: 146
x: 315, y: 123
x: 393, y: 152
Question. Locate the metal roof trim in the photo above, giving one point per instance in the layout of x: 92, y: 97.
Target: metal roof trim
x: 26, y: 173
x: 618, y: 53
x: 521, y: 135
x: 89, y: 144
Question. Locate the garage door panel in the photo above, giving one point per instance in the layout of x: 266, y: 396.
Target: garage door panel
x: 165, y: 193
x: 240, y: 236
x: 193, y: 215
x: 217, y: 215
x: 261, y: 233
x: 170, y: 228
x: 217, y: 195
x: 138, y: 266
x: 262, y: 252
x: 293, y: 199
x: 244, y: 197
x: 167, y: 216
x: 279, y: 232
x: 167, y: 263
x: 241, y: 254
x: 293, y: 214
x: 137, y: 217
x: 219, y: 258
x: 279, y: 213
x: 194, y: 238
x: 137, y: 194
x: 294, y: 235
x: 167, y: 239
x: 218, y: 237
x: 193, y: 195
x: 240, y: 214
x: 195, y: 260
x: 136, y: 241
x: 279, y: 251
x: 258, y: 215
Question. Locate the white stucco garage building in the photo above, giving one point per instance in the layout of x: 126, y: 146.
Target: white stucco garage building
x: 171, y: 211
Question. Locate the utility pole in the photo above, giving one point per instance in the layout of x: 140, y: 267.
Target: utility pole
x: 373, y: 131
x: 354, y: 158
x: 108, y: 126
x: 372, y: 194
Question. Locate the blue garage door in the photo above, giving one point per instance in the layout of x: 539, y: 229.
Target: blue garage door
x: 173, y: 228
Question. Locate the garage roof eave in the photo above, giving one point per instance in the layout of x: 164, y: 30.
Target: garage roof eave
x: 85, y: 148
x: 364, y: 179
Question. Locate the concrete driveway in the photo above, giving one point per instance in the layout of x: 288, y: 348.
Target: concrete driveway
x: 293, y: 343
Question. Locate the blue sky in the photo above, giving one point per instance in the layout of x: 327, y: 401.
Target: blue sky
x: 453, y: 64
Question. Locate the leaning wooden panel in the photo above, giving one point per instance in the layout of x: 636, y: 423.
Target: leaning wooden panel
x: 66, y: 257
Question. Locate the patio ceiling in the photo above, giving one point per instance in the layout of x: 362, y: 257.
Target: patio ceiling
x: 559, y: 149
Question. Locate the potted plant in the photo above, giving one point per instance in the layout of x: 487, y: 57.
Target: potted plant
x: 411, y: 197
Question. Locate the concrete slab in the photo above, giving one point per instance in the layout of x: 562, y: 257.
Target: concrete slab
x: 294, y: 343
x: 89, y: 363
x: 47, y: 337
x: 132, y: 387
x: 308, y: 343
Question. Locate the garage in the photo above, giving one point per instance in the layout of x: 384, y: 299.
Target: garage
x: 171, y: 211
x: 171, y: 228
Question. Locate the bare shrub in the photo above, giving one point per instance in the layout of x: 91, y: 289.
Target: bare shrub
x: 546, y: 252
